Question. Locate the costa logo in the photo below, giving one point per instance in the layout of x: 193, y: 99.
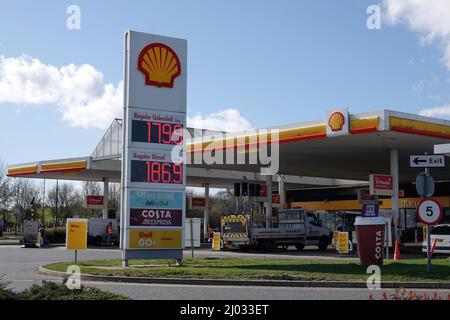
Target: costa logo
x: 378, y: 245
x: 155, y: 217
x: 159, y: 64
x: 336, y: 121
x: 156, y: 214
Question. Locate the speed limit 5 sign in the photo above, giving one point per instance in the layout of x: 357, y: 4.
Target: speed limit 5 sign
x: 429, y: 211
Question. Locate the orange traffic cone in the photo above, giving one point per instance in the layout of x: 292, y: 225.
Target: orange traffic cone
x: 433, y: 246
x: 397, y: 251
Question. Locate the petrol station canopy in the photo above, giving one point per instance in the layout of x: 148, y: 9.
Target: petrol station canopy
x: 308, y: 156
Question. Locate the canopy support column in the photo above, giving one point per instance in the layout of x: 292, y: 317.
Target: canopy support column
x: 281, y: 191
x: 394, y: 197
x: 105, y: 197
x: 206, y: 212
x: 269, y: 196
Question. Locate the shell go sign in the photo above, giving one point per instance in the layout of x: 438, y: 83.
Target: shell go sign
x: 155, y: 239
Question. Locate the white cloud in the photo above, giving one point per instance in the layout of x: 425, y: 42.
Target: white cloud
x: 431, y: 18
x: 229, y: 120
x: 442, y: 111
x: 82, y: 96
x: 78, y: 91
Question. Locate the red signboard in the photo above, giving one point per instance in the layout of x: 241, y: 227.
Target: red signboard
x: 381, y: 184
x: 198, y: 202
x: 263, y: 193
x: 263, y: 190
x: 94, y: 202
x: 275, y: 199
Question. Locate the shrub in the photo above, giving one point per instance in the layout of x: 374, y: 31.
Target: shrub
x: 5, y: 292
x: 58, y: 236
x: 402, y: 294
x: 54, y: 291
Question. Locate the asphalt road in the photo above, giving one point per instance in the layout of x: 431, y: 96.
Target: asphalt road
x: 19, y: 265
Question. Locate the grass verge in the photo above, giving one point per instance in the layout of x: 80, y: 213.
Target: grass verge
x: 265, y: 269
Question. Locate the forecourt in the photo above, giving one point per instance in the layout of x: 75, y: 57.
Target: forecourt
x: 325, y: 153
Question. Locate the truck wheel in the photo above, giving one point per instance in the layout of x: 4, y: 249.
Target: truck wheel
x: 245, y: 248
x: 98, y: 241
x: 268, y: 246
x: 323, y: 244
x: 300, y: 246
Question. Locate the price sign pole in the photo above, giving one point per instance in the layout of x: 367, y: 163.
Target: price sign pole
x: 428, y: 232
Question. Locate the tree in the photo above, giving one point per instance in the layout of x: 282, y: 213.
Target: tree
x: 24, y: 195
x: 66, y: 200
x: 91, y: 188
x: 5, y: 188
x: 114, y: 196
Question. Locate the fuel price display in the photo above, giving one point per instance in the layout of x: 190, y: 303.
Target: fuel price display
x: 156, y: 172
x: 156, y: 128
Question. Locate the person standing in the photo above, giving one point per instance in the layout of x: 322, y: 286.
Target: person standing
x: 109, y: 232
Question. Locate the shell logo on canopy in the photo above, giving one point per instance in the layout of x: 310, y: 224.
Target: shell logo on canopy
x: 336, y: 121
x: 159, y: 64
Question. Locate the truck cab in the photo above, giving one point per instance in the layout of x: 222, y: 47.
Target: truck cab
x: 234, y: 231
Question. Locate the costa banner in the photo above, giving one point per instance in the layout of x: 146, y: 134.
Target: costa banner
x: 156, y: 217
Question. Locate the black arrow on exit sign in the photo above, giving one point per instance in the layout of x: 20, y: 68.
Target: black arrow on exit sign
x: 417, y: 160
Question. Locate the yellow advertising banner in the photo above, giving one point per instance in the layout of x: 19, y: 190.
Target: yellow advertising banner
x: 155, y: 239
x: 343, y: 243
x: 216, y: 241
x: 76, y: 235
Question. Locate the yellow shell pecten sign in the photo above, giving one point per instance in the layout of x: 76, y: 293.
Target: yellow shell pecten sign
x: 336, y: 121
x: 159, y: 64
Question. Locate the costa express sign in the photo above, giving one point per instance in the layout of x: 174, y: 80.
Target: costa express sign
x: 155, y: 239
x: 156, y: 217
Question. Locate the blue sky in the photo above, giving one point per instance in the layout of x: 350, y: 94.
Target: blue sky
x: 275, y: 62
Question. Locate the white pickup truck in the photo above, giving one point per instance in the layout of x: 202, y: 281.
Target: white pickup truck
x: 295, y: 227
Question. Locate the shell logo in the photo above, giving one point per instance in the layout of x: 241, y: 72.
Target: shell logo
x: 336, y: 121
x: 159, y: 64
